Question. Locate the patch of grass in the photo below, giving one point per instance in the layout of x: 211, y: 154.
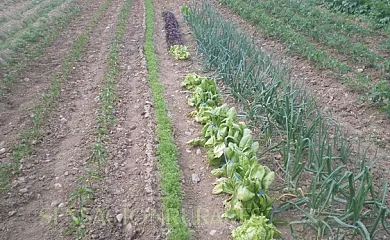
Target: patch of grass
x: 167, y: 152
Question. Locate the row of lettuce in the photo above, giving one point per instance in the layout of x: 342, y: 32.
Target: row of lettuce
x: 230, y: 147
x: 232, y: 151
x: 330, y: 179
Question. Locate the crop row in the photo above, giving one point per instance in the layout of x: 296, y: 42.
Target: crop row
x: 11, y: 18
x: 16, y: 38
x: 232, y: 151
x: 301, y: 19
x: 174, y: 38
x: 332, y: 187
x: 83, y: 195
x: 30, y: 136
x: 26, y: 17
x: 167, y: 152
x: 25, y: 46
x: 299, y: 44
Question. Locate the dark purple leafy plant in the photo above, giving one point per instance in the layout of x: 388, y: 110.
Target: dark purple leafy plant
x: 173, y: 35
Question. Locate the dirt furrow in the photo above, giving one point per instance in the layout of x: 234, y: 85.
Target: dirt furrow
x: 35, y: 207
x: 202, y: 210
x: 129, y: 192
x: 16, y: 105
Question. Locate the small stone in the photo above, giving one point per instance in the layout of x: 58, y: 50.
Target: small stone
x: 61, y: 205
x: 2, y: 150
x: 198, y: 152
x: 188, y: 133
x: 54, y: 203
x: 119, y: 218
x: 66, y: 173
x: 195, y: 178
x: 21, y: 179
x: 360, y: 70
x: 278, y: 157
x: 57, y: 185
x: 11, y: 213
x: 212, y: 232
x: 23, y: 190
x: 63, y: 120
x: 129, y: 231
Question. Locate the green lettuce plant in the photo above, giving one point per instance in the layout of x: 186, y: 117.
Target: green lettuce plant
x: 256, y: 228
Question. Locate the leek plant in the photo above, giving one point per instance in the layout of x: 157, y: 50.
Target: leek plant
x: 339, y: 199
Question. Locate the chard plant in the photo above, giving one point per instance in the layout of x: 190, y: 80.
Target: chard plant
x: 232, y: 151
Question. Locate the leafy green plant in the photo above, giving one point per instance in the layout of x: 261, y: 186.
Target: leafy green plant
x: 377, y: 9
x: 180, y: 52
x: 380, y: 94
x: 257, y: 227
x: 230, y: 148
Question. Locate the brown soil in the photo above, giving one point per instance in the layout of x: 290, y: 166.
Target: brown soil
x: 50, y: 174
x: 130, y: 186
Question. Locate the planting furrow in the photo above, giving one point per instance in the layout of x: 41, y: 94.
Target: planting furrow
x: 130, y: 145
x: 45, y: 177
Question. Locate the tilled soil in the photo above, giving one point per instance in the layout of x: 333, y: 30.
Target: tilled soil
x: 16, y: 105
x: 130, y: 188
x: 35, y: 206
x: 126, y: 202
